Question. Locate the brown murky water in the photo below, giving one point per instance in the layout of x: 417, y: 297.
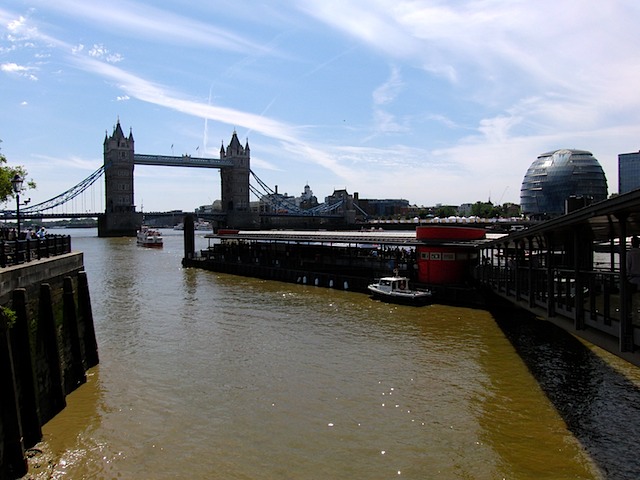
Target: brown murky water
x: 205, y: 375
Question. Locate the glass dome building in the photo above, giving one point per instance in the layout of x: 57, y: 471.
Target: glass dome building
x: 556, y: 176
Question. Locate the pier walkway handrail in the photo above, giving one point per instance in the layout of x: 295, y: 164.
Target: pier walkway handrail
x: 573, y: 267
x: 15, y: 252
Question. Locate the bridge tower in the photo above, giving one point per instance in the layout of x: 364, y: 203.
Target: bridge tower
x: 120, y: 217
x: 235, y: 185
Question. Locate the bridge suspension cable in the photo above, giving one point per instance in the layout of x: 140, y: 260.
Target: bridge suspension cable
x: 66, y: 196
x: 277, y: 201
x: 280, y: 203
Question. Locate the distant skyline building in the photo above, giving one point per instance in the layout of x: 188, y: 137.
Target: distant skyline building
x: 307, y: 199
x: 383, y: 207
x: 556, y: 176
x: 628, y: 172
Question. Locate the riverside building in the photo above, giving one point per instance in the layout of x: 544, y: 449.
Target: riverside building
x: 628, y: 172
x: 556, y: 176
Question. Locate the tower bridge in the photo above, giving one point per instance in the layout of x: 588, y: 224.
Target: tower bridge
x: 120, y: 217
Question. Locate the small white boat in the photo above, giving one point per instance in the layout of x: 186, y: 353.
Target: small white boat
x: 148, y: 237
x: 396, y: 289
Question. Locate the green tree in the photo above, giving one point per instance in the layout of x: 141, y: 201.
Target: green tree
x: 483, y: 210
x: 6, y: 174
x: 445, y: 211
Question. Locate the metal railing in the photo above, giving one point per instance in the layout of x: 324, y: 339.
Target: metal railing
x: 16, y: 252
x: 594, y: 295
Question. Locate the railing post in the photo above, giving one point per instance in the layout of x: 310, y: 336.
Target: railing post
x: 532, y: 287
x: 606, y: 301
x: 626, y: 325
x: 499, y: 269
x: 18, y: 254
x: 580, y: 246
x: 551, y: 307
x: 516, y: 265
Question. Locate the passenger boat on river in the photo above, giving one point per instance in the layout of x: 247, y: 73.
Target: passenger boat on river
x: 148, y: 237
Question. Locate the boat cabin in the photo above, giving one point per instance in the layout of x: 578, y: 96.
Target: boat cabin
x: 392, y: 284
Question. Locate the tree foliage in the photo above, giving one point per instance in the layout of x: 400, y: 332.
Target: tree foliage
x: 446, y: 211
x: 485, y: 210
x: 6, y: 174
x: 489, y: 210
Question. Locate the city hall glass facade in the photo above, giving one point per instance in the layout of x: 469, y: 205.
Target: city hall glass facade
x: 556, y: 176
x: 628, y: 172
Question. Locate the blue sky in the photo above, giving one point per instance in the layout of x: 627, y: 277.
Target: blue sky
x: 431, y: 101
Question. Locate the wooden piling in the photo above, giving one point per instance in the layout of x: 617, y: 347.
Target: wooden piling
x: 23, y: 370
x: 86, y: 327
x: 73, y: 371
x: 189, y: 237
x: 12, y: 461
x: 51, y: 396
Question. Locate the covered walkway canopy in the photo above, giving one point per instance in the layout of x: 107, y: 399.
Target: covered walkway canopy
x: 604, y: 221
x: 573, y: 266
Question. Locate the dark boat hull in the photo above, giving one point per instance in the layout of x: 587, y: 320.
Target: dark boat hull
x: 403, y: 299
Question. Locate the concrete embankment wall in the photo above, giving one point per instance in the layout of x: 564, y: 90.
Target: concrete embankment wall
x: 47, y: 342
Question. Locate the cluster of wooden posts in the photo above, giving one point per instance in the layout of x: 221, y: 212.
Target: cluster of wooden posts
x: 46, y: 346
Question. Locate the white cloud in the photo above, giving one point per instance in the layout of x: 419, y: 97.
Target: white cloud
x: 371, y: 22
x: 146, y: 91
x: 385, y: 94
x: 12, y: 68
x: 19, y: 31
x: 100, y: 52
x: 19, y: 70
x: 55, y: 163
x: 385, y: 122
x: 15, y: 25
x: 163, y: 26
x: 388, y: 91
x: 497, y: 129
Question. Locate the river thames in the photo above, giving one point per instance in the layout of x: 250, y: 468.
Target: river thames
x: 205, y: 375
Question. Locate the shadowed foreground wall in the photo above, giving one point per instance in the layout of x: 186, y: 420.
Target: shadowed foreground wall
x: 47, y: 343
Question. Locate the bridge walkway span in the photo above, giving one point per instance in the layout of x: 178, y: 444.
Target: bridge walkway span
x: 181, y: 161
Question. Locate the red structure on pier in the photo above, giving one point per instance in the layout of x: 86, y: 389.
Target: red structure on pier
x: 445, y: 254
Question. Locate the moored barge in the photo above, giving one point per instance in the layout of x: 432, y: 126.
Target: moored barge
x: 438, y: 258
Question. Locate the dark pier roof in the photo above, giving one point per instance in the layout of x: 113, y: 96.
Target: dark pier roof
x: 381, y: 237
x: 360, y: 237
x: 601, y: 219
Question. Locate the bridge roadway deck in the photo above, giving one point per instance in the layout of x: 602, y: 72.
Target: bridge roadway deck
x: 181, y: 161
